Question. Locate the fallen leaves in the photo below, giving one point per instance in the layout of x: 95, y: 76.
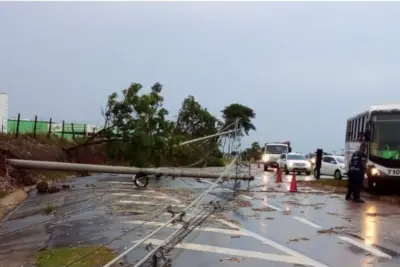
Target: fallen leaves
x: 316, y: 206
x: 264, y: 209
x: 233, y: 259
x: 242, y: 203
x: 286, y: 212
x: 299, y: 239
x: 332, y: 213
x: 332, y: 230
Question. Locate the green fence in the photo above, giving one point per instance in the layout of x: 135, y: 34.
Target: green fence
x: 63, y: 129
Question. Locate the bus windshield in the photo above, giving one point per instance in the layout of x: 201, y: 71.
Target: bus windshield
x: 385, y: 142
x: 276, y: 149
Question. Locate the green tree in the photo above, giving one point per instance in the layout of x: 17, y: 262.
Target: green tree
x: 194, y: 121
x: 255, y: 146
x: 139, y: 121
x: 252, y: 152
x: 238, y: 111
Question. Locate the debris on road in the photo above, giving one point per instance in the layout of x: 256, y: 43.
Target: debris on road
x: 299, y: 239
x: 66, y: 186
x: 286, y: 212
x: 332, y: 213
x: 53, y: 189
x: 42, y: 187
x: 233, y: 259
x: 347, y: 219
x: 332, y: 230
x: 242, y: 203
x: 49, y: 209
x: 264, y: 209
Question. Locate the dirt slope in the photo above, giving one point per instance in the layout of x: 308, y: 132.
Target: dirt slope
x: 40, y: 148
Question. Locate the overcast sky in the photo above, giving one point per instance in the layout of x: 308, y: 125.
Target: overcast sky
x: 303, y: 67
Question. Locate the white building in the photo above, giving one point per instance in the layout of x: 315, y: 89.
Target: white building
x: 3, y: 112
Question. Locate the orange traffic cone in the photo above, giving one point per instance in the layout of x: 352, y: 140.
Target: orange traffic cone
x: 293, y: 183
x: 278, y: 175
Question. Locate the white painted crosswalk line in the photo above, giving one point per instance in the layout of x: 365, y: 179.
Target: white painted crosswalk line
x: 137, y: 195
x: 304, y: 220
x: 365, y: 247
x: 170, y: 198
x: 231, y: 252
x: 121, y: 183
x: 146, y: 212
x: 148, y: 203
x: 206, y: 229
x: 302, y: 258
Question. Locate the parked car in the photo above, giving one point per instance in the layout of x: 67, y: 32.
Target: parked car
x: 297, y: 162
x: 312, y: 156
x: 332, y: 166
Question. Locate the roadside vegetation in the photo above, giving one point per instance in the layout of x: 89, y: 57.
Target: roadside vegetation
x: 57, y: 257
x: 138, y: 131
x: 253, y: 153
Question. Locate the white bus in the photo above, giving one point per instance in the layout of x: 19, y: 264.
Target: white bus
x: 379, y: 128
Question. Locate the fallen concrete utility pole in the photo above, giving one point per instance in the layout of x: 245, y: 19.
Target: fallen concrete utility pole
x: 79, y: 167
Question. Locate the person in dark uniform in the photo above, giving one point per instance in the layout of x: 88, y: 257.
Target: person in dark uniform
x: 356, y: 175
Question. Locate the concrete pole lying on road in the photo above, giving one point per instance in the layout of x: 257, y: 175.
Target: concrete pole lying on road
x: 79, y: 167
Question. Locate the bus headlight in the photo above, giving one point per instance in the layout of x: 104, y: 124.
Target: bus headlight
x: 265, y: 158
x: 374, y: 171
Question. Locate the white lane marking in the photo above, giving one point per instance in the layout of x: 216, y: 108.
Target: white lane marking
x: 137, y: 195
x: 249, y: 198
x: 227, y: 189
x: 124, y: 183
x: 146, y: 203
x: 272, y: 206
x: 188, y: 214
x: 177, y: 225
x: 170, y: 198
x: 231, y: 252
x: 303, y: 220
x: 304, y: 259
x: 370, y: 249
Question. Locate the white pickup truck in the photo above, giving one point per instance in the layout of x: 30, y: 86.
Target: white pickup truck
x: 272, y: 152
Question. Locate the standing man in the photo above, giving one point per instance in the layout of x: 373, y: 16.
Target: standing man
x: 356, y: 174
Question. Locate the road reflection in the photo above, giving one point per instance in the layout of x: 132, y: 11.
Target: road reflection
x: 370, y: 226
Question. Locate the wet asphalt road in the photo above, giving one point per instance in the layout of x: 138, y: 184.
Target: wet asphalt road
x: 277, y: 228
